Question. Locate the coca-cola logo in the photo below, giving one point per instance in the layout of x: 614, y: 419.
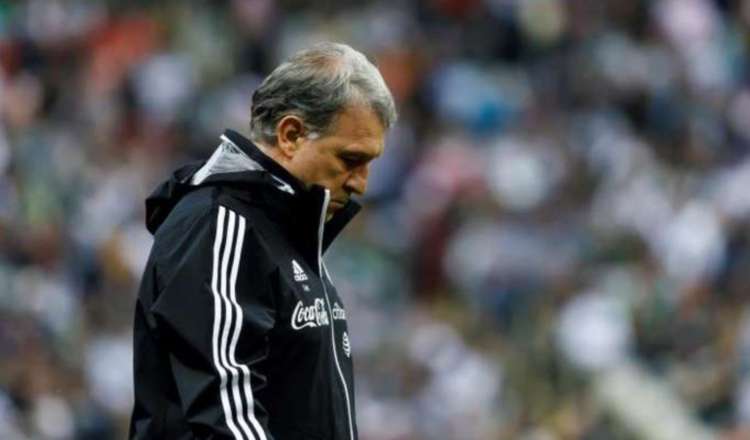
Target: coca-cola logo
x: 314, y: 315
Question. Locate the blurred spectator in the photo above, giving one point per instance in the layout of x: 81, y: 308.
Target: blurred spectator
x: 557, y: 239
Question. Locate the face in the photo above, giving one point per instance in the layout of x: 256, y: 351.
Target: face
x: 339, y: 159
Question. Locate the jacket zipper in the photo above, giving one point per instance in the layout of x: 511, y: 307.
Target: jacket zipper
x: 323, y: 274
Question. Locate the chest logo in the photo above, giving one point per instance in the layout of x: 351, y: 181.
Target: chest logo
x: 299, y: 273
x: 347, y: 347
x: 314, y: 315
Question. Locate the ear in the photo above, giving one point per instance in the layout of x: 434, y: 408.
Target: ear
x: 289, y: 131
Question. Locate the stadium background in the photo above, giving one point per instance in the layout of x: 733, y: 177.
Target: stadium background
x: 555, y: 243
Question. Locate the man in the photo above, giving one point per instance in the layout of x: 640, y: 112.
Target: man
x: 239, y: 332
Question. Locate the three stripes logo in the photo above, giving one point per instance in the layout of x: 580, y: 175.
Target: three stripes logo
x: 299, y: 274
x: 235, y: 389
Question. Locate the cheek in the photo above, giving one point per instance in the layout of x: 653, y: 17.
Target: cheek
x: 335, y: 172
x: 333, y: 177
x: 328, y: 167
x: 308, y: 164
x: 320, y: 169
x: 330, y: 178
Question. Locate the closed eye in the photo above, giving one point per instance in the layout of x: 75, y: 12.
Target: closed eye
x: 354, y: 160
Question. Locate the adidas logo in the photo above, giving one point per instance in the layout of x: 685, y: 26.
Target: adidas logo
x: 299, y: 274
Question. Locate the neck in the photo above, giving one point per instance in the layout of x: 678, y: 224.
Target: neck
x: 269, y: 151
x: 275, y: 154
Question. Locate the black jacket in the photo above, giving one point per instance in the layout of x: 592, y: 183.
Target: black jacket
x: 239, y: 332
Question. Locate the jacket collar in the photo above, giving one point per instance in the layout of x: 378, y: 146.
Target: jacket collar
x: 301, y: 203
x: 268, y: 164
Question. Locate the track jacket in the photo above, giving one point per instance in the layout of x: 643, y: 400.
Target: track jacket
x: 239, y: 332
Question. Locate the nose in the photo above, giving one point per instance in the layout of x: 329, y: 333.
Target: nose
x: 356, y: 183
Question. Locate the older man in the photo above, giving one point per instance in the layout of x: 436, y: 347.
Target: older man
x: 239, y: 332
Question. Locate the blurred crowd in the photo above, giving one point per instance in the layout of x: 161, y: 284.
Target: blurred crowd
x: 555, y: 244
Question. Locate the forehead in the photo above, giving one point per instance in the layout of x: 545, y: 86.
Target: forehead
x: 358, y: 127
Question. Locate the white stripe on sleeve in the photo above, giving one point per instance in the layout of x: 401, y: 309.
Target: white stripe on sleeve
x: 248, y: 393
x: 218, y: 316
x: 236, y: 390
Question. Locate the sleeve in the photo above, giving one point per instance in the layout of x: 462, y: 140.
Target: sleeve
x: 214, y: 312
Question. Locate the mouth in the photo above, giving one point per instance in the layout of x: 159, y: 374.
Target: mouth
x: 336, y: 204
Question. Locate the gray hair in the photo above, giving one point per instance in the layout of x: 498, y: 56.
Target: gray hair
x: 315, y: 84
